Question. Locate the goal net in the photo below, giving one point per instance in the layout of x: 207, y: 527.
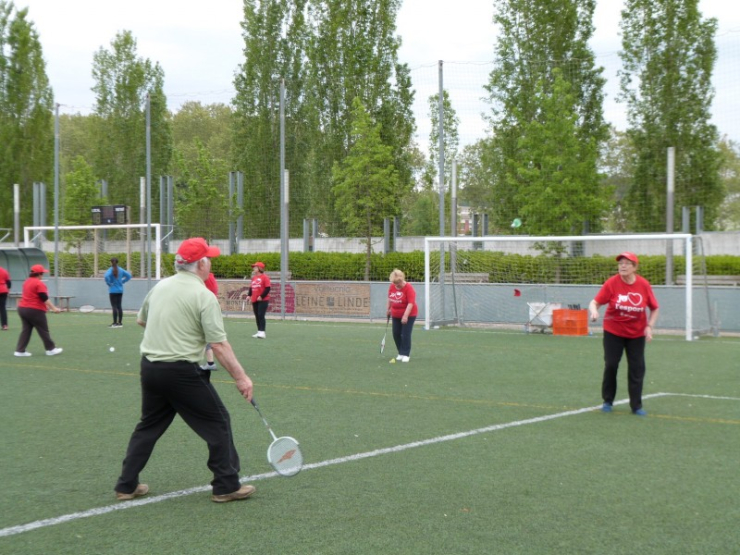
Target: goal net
x: 85, y: 250
x: 518, y: 281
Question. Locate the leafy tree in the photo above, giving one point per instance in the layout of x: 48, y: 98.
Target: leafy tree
x: 729, y: 213
x: 450, y: 126
x: 208, y: 126
x: 554, y: 176
x: 26, y: 111
x: 668, y: 57
x: 81, y: 193
x: 366, y: 181
x: 122, y: 83
x: 202, y: 196
x: 543, y: 45
x: 274, y: 34
x: 617, y: 163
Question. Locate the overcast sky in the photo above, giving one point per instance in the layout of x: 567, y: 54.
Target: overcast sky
x: 199, y: 46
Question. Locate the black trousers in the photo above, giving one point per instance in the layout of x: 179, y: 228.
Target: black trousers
x: 260, y: 309
x: 3, y: 309
x: 614, y: 346
x: 115, y: 303
x: 402, y: 335
x: 33, y: 318
x: 170, y: 388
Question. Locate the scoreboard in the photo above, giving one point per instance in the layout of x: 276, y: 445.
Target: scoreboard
x: 107, y: 215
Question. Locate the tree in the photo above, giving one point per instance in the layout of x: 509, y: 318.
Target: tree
x: 201, y: 197
x: 545, y: 82
x: 729, y: 212
x: 209, y: 125
x: 451, y: 140
x: 81, y: 193
x: 668, y: 57
x: 617, y: 163
x: 122, y: 83
x: 366, y: 181
x: 26, y: 107
x: 554, y: 175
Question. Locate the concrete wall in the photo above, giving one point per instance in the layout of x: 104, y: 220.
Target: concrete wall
x: 714, y: 243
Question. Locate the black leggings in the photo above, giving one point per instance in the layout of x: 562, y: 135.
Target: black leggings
x: 3, y: 311
x: 115, y: 303
x: 614, y: 346
x: 260, y: 309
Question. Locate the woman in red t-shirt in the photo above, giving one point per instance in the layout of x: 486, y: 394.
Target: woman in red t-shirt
x: 259, y: 296
x: 5, y: 285
x: 627, y: 327
x: 403, y: 309
x: 32, y: 309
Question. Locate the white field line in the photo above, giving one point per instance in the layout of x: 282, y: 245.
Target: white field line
x: 20, y: 529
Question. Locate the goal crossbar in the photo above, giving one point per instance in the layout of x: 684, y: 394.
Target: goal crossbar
x: 28, y: 242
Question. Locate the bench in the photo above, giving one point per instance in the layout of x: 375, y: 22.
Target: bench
x: 728, y: 281
x: 62, y: 301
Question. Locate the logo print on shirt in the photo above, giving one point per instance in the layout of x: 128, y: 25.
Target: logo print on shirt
x: 635, y: 299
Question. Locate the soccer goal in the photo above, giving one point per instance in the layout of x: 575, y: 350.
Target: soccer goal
x: 96, y: 239
x: 517, y: 281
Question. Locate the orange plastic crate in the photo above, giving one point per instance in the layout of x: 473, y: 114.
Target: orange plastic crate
x: 569, y: 322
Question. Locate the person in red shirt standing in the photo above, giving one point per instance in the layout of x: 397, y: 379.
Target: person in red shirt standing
x: 5, y: 285
x: 32, y: 309
x: 212, y: 286
x: 627, y: 327
x: 403, y: 309
x: 259, y: 296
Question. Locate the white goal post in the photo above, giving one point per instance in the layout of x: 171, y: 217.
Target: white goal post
x: 28, y: 239
x: 514, y: 280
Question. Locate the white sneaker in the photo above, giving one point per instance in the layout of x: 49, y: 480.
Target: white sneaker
x: 399, y: 357
x: 405, y: 359
x: 261, y: 335
x: 54, y: 351
x: 22, y: 354
x: 256, y: 335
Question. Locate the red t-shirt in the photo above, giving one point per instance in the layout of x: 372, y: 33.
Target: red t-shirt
x: 212, y: 284
x: 401, y: 298
x: 260, y: 282
x: 30, y: 296
x: 626, y: 312
x: 4, y: 279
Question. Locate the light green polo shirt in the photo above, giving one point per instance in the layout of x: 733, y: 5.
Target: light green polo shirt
x: 181, y: 316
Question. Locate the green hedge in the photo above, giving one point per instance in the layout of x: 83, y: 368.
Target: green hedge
x: 502, y: 268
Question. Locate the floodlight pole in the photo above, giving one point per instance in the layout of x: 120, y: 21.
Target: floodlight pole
x: 670, y: 185
x: 284, y: 235
x: 148, y: 193
x: 56, y: 199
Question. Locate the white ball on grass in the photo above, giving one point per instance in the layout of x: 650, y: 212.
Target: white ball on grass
x: 112, y: 349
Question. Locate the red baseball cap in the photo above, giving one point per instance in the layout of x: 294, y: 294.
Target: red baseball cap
x: 632, y: 257
x: 259, y: 265
x: 193, y: 249
x: 38, y: 269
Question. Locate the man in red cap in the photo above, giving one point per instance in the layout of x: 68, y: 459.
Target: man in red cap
x: 32, y: 308
x: 627, y: 327
x: 259, y: 296
x: 180, y: 315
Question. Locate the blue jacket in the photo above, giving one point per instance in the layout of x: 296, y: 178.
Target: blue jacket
x: 115, y: 284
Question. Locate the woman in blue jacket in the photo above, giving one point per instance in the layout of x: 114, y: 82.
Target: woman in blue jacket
x: 115, y: 277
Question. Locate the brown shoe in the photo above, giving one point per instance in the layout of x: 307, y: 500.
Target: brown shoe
x: 141, y: 490
x: 242, y: 493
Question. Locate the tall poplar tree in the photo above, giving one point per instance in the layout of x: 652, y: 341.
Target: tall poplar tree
x: 26, y: 112
x: 668, y: 58
x: 545, y: 84
x: 122, y: 82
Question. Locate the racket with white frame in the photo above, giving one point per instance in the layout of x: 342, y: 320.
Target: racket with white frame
x: 86, y: 308
x: 284, y: 453
x: 382, y: 343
